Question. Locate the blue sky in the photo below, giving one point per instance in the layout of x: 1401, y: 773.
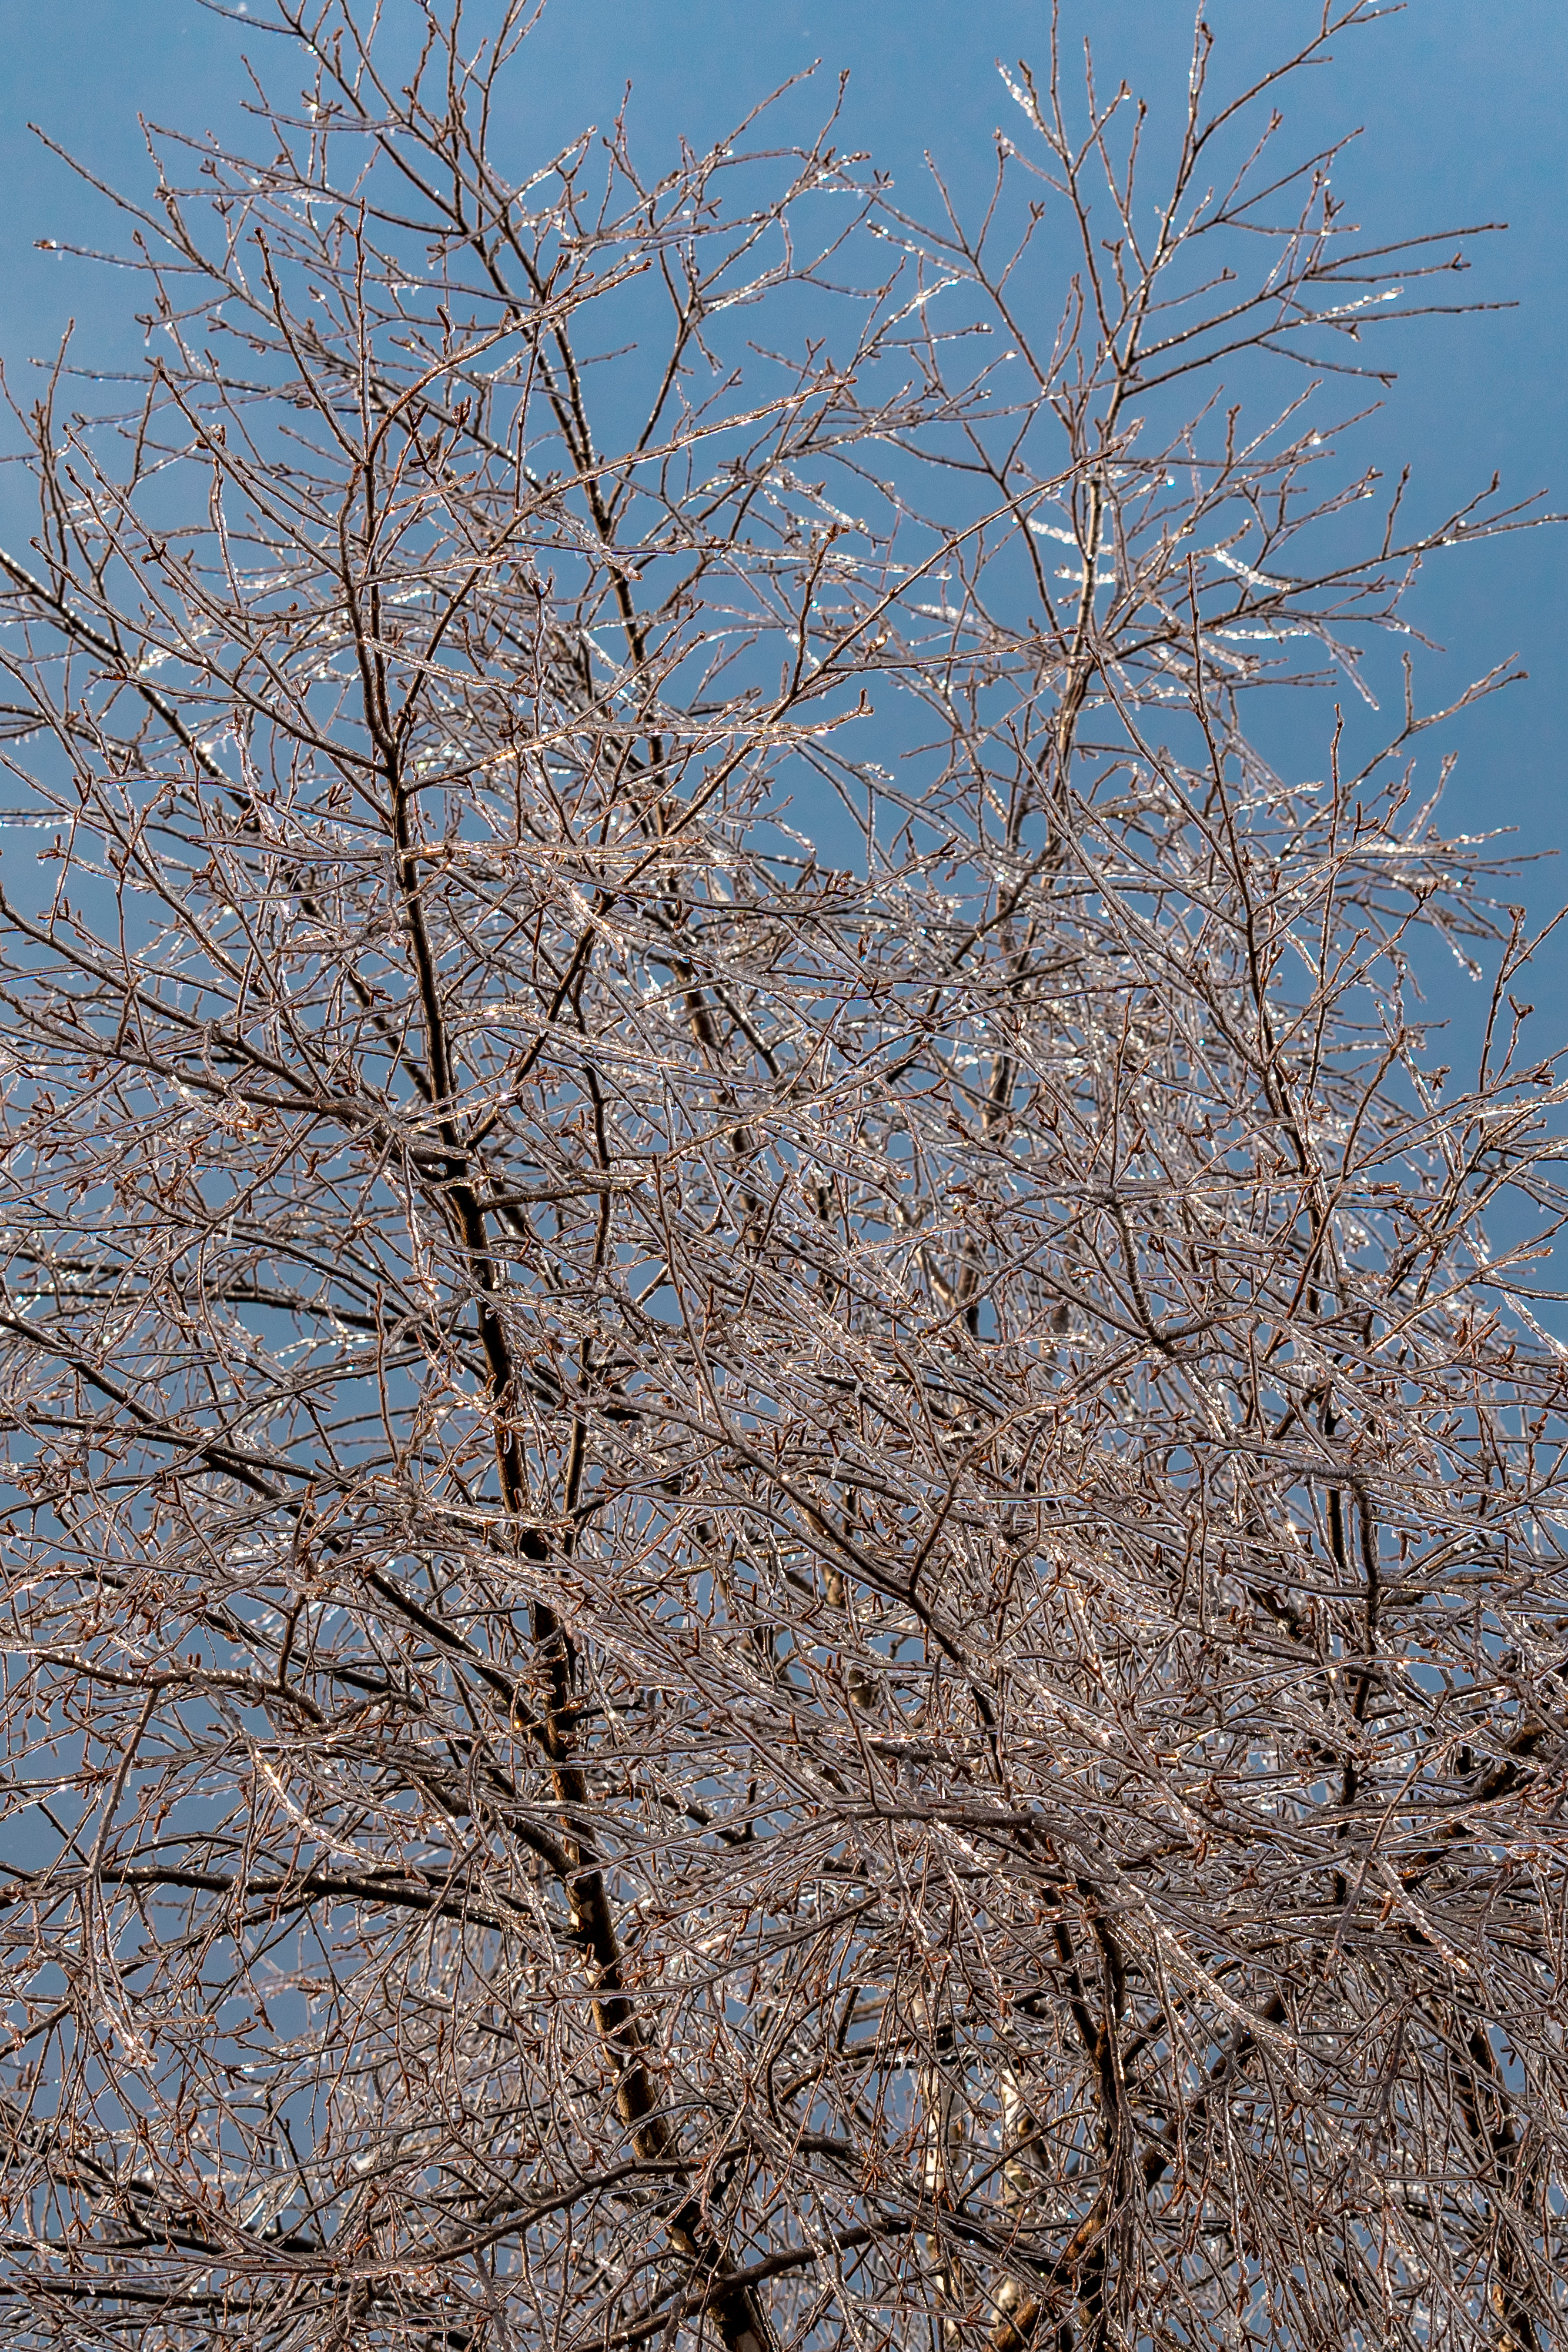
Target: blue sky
x: 1462, y: 106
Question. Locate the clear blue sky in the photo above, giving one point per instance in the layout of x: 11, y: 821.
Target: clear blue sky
x: 1463, y: 103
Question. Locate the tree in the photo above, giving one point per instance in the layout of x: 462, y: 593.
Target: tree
x: 755, y: 1598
